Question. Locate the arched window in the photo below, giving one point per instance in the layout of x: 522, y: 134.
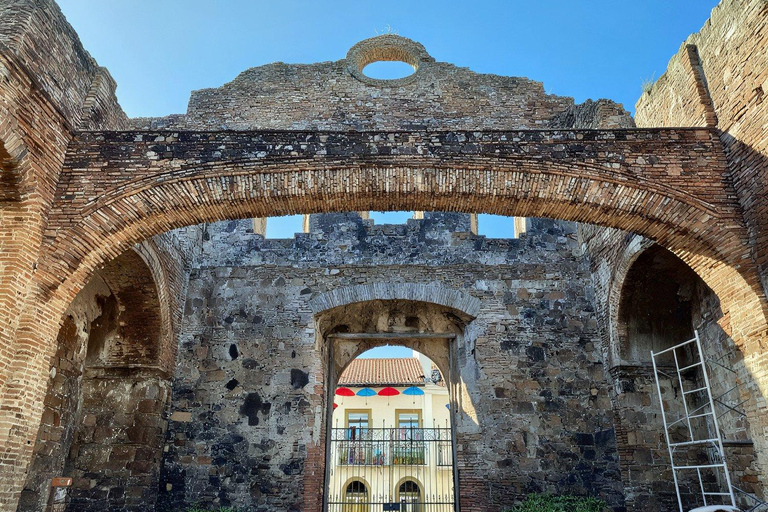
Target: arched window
x: 356, y: 497
x: 409, y: 496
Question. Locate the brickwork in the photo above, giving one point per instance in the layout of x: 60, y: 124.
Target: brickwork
x: 45, y: 77
x: 304, y: 171
x: 731, y: 79
x: 613, y: 254
x: 325, y: 138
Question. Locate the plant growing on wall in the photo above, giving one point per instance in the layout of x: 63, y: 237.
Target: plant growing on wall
x: 549, y: 503
x: 198, y: 508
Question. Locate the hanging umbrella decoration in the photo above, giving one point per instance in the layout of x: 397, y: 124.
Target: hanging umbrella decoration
x: 366, y: 392
x: 388, y: 392
x: 342, y: 392
x: 414, y: 392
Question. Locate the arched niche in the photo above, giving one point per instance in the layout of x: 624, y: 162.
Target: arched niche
x: 104, y: 379
x: 130, y: 330
x: 658, y: 302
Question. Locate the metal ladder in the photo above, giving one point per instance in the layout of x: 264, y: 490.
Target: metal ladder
x: 710, y: 440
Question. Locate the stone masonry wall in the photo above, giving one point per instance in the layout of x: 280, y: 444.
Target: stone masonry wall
x: 642, y: 447
x: 337, y: 96
x: 720, y: 77
x: 536, y: 409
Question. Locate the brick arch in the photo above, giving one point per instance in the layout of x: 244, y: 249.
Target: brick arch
x: 118, y: 215
x: 119, y: 188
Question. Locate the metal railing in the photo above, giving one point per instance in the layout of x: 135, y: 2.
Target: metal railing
x: 392, y: 446
x: 380, y: 469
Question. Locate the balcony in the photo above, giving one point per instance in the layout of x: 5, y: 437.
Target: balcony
x: 392, y: 447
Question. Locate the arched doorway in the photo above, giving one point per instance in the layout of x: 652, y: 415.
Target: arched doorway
x: 390, y: 414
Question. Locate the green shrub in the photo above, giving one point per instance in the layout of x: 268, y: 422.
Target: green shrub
x: 199, y: 508
x: 549, y: 503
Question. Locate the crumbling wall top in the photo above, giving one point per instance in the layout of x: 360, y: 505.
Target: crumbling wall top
x: 340, y: 96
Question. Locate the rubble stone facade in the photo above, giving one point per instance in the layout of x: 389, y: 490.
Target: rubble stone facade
x: 159, y: 352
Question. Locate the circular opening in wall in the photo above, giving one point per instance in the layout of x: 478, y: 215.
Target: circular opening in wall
x: 388, y: 70
x: 386, y: 60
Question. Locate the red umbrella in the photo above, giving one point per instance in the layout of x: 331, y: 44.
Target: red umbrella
x: 335, y: 406
x: 388, y: 392
x: 344, y: 392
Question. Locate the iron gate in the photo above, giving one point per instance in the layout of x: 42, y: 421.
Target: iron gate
x: 391, y: 469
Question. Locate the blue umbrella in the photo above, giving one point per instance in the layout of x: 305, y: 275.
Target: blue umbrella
x: 413, y: 391
x: 366, y: 392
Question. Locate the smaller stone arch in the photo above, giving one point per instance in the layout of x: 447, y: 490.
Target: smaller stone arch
x: 418, y: 308
x: 428, y: 318
x: 432, y: 293
x: 347, y: 331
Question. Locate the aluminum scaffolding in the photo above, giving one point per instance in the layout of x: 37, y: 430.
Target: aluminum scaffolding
x: 695, y: 436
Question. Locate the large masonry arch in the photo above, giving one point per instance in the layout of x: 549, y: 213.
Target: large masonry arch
x: 306, y: 139
x: 120, y: 188
x: 668, y: 185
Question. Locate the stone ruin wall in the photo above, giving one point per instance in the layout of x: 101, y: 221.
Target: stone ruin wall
x: 248, y: 409
x: 71, y: 92
x: 328, y: 96
x: 332, y: 96
x: 642, y: 448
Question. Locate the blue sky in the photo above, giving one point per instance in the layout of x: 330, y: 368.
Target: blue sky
x: 161, y: 50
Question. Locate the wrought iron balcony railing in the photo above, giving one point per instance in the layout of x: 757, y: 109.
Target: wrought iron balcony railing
x: 391, y: 446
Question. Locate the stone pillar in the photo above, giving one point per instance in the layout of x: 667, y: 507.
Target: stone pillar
x: 260, y: 226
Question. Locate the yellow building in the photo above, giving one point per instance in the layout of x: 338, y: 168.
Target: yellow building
x: 391, y: 443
